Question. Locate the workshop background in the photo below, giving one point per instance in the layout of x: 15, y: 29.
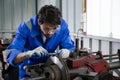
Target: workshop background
x: 12, y: 12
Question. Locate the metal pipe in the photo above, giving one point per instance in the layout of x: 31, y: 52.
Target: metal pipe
x: 111, y: 58
x: 118, y: 53
x: 36, y: 6
x: 76, y: 53
x: 114, y: 65
x: 110, y: 55
x: 81, y: 43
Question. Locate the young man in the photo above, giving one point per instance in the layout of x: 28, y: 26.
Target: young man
x: 38, y: 37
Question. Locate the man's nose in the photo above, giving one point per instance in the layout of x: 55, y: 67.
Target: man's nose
x: 50, y: 32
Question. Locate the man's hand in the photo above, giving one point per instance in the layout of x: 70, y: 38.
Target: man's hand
x: 40, y: 51
x: 64, y: 53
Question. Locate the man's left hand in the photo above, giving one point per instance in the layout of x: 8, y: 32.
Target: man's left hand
x: 64, y: 53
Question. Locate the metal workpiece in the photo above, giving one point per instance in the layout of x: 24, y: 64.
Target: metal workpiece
x: 54, y: 69
x: 62, y: 67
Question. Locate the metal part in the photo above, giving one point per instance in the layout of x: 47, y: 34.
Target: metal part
x: 114, y: 65
x: 91, y: 63
x: 5, y: 41
x: 82, y: 72
x: 107, y: 76
x: 54, y: 69
x: 61, y: 65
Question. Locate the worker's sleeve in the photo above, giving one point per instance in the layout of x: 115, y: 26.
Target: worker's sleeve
x: 66, y: 41
x: 17, y: 44
x: 11, y: 55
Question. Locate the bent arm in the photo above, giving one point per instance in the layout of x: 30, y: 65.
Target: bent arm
x: 19, y: 58
x: 15, y: 50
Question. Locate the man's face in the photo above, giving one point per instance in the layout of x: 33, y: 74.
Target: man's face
x: 48, y: 29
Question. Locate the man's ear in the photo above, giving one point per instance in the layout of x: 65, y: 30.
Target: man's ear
x: 39, y: 22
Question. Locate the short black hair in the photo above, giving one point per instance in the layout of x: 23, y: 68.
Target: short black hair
x: 50, y: 14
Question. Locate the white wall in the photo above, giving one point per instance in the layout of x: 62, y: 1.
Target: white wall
x: 71, y: 10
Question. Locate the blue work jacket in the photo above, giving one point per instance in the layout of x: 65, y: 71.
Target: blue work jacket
x: 29, y: 39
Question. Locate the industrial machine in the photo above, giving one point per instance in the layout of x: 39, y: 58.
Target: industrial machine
x: 81, y: 65
x: 92, y: 65
x: 84, y: 68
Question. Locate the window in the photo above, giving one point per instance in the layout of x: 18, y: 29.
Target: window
x: 103, y: 18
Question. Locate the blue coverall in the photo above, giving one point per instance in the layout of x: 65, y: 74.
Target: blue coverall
x: 29, y: 39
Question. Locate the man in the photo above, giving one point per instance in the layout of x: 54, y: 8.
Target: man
x: 38, y: 37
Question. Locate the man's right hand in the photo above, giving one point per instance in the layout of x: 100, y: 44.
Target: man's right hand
x: 40, y: 51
